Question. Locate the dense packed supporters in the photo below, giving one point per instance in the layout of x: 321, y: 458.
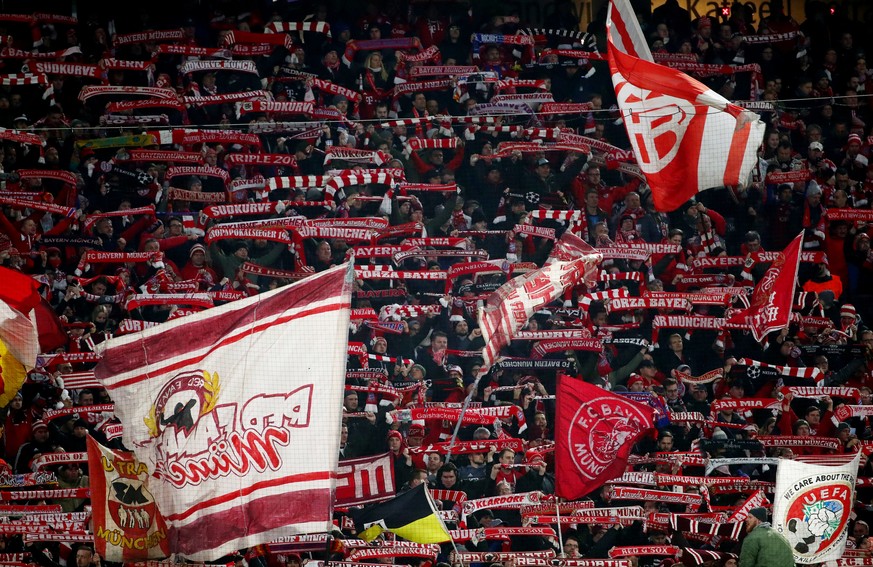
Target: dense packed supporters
x: 404, y: 135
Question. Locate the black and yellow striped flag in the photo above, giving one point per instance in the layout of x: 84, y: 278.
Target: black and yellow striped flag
x: 411, y: 515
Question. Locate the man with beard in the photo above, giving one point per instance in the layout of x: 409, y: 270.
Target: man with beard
x: 764, y: 546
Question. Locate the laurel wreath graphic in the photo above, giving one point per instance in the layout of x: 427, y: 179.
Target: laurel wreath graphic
x: 151, y: 422
x: 213, y: 387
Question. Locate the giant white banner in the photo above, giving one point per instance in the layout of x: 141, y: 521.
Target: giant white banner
x: 236, y: 411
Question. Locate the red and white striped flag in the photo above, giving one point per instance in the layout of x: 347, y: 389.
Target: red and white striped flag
x: 127, y: 523
x: 509, y: 308
x: 236, y: 412
x: 685, y: 136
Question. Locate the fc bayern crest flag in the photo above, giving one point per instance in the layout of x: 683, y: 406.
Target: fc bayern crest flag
x: 236, y: 411
x: 812, y: 506
x: 594, y: 434
x: 685, y: 136
x: 127, y: 523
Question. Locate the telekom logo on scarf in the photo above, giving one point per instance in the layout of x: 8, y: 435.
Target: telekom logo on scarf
x: 199, y: 439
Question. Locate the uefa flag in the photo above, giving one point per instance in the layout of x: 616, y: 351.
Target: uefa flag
x: 812, y: 507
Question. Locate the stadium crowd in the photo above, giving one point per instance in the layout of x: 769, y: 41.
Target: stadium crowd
x: 412, y: 143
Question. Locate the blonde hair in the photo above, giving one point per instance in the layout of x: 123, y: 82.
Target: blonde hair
x: 384, y: 72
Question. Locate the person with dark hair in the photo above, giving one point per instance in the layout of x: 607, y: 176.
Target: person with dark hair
x: 70, y: 476
x: 39, y: 443
x: 332, y: 68
x: 670, y: 268
x: 677, y: 19
x: 572, y: 547
x: 435, y: 361
x: 764, y: 546
x: 85, y: 557
x: 455, y: 47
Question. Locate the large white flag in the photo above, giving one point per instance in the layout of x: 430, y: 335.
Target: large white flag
x: 812, y: 506
x: 236, y: 411
x: 685, y: 136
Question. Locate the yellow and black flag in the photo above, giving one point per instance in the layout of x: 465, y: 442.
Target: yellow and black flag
x: 411, y: 515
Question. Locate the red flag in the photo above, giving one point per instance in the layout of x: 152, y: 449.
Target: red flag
x: 49, y: 327
x: 364, y: 480
x: 21, y: 309
x: 127, y: 523
x: 19, y: 291
x: 594, y: 435
x: 685, y: 136
x: 770, y: 308
x: 19, y: 342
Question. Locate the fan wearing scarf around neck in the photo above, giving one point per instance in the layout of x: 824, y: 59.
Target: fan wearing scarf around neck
x: 375, y: 82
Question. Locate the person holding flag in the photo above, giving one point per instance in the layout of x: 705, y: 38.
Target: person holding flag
x: 412, y: 515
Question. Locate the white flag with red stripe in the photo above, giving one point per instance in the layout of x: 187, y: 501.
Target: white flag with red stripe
x: 509, y: 308
x: 236, y: 411
x: 685, y: 136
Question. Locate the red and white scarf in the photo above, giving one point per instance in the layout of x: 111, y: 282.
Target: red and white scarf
x: 258, y: 270
x: 795, y: 371
x: 397, y: 312
x: 355, y: 155
x: 223, y: 232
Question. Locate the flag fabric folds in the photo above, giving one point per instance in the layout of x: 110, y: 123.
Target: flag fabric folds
x: 19, y: 291
x: 127, y: 523
x: 12, y: 375
x: 509, y: 308
x: 49, y: 327
x: 770, y: 307
x: 236, y: 411
x: 685, y: 136
x: 412, y: 515
x: 19, y: 341
x: 18, y: 298
x: 594, y: 433
x: 812, y: 506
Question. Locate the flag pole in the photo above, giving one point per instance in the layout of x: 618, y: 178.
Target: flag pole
x: 560, y: 532
x: 455, y: 547
x: 482, y: 371
x: 463, y: 410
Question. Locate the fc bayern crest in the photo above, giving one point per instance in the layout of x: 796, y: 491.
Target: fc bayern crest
x: 812, y: 510
x: 600, y: 428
